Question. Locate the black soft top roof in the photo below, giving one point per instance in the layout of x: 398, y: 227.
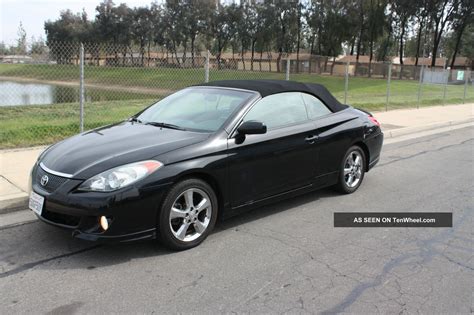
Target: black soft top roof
x: 269, y: 87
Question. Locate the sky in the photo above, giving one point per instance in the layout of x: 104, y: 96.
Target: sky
x: 33, y: 14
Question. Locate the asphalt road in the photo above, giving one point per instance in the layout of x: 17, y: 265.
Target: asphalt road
x: 284, y: 258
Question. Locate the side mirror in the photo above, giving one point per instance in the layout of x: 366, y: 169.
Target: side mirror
x: 252, y: 127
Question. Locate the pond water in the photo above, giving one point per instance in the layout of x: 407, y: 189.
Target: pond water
x: 19, y: 93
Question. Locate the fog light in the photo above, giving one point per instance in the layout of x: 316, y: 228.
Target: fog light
x: 104, y: 223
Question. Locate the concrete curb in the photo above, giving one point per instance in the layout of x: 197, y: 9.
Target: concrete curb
x: 13, y: 204
x: 21, y: 203
x: 395, y: 133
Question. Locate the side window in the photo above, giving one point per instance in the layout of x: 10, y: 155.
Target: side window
x: 316, y: 108
x: 279, y: 110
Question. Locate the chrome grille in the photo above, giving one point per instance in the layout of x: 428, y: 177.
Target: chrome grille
x: 53, y: 183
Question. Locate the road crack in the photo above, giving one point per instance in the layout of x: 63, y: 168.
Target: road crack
x: 424, y: 152
x: 31, y: 265
x: 425, y: 251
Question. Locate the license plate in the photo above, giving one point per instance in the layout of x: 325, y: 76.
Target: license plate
x: 36, y: 203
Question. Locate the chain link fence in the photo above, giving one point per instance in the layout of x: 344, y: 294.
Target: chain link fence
x: 73, y: 87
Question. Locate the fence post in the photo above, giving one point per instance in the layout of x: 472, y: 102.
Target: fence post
x: 287, y: 75
x: 465, y: 85
x: 81, y: 88
x: 422, y: 73
x: 346, y: 82
x: 446, y: 78
x: 388, y: 85
x: 206, y: 68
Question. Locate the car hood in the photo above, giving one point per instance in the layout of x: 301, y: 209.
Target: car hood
x: 92, y: 152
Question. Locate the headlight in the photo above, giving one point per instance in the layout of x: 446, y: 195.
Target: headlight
x: 120, y: 176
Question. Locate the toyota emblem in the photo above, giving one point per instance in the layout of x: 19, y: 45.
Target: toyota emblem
x: 44, y: 180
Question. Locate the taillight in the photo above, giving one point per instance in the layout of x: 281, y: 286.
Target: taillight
x: 374, y: 121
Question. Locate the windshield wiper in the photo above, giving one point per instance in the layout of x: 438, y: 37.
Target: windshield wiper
x: 164, y: 125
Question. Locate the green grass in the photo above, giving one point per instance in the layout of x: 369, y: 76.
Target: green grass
x: 42, y: 124
x: 153, y: 78
x: 371, y: 94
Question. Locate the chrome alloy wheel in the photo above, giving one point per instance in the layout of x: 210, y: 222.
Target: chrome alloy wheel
x: 190, y: 214
x: 353, y: 169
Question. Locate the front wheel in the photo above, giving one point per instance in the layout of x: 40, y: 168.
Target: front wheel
x: 352, y: 170
x: 188, y: 214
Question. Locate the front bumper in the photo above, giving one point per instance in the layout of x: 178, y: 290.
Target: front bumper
x: 95, y: 234
x: 132, y: 211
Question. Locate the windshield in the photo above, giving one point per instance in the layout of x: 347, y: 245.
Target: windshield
x: 199, y: 109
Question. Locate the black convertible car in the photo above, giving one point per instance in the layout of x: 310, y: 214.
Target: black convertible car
x: 204, y: 152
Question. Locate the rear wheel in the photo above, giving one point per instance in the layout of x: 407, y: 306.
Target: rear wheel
x: 188, y: 214
x: 352, y: 170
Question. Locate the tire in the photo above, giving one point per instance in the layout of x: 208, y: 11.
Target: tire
x: 187, y: 215
x: 356, y: 171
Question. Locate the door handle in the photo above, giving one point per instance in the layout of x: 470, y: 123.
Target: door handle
x: 311, y: 139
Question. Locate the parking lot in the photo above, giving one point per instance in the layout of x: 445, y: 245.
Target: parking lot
x: 284, y: 258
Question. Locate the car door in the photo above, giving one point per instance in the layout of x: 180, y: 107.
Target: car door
x: 278, y: 161
x: 333, y: 137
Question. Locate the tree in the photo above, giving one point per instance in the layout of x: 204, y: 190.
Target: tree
x: 113, y: 24
x: 362, y: 25
x: 467, y: 44
x: 264, y: 34
x: 234, y: 17
x: 376, y: 26
x: 174, y: 36
x: 421, y: 16
x: 236, y: 22
x: 105, y: 21
x: 286, y: 27
x: 246, y: 31
x: 142, y: 30
x: 299, y: 26
x: 330, y: 24
x: 4, y: 50
x: 223, y: 24
x: 69, y: 28
x: 441, y: 14
x: 38, y: 46
x: 314, y: 16
x: 21, y: 45
x: 386, y: 42
x: 156, y: 13
x: 195, y: 20
x: 461, y: 19
x: 404, y: 10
